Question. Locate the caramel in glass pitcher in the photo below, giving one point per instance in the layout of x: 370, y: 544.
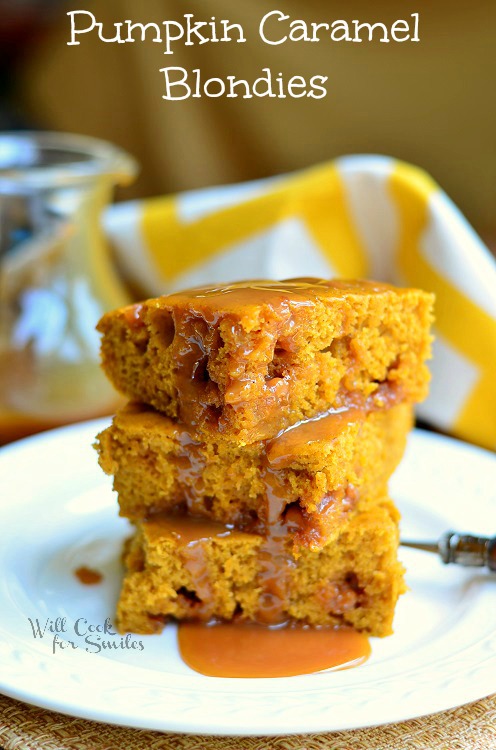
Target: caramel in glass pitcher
x: 56, y: 278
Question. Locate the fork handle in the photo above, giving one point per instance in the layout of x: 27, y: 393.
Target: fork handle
x: 467, y: 550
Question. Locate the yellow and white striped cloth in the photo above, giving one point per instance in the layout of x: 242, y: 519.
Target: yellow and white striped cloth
x: 359, y: 216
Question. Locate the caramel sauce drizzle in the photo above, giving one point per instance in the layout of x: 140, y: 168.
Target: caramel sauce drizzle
x: 196, y: 336
x: 247, y: 292
x: 287, y: 446
x: 276, y: 560
x: 190, y: 466
x: 284, y: 529
x: 196, y: 339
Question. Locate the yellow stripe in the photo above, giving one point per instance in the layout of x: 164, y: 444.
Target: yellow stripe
x: 476, y: 421
x: 468, y: 328
x: 317, y: 197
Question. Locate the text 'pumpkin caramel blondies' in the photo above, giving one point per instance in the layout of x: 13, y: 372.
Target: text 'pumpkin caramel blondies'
x: 249, y: 359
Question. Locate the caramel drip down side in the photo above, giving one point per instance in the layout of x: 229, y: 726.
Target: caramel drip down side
x: 197, y: 339
x: 192, y: 345
x: 190, y: 464
x: 276, y: 560
x: 285, y: 529
x: 193, y: 534
x: 283, y: 522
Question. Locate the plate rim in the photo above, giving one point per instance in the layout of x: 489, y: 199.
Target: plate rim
x: 396, y: 714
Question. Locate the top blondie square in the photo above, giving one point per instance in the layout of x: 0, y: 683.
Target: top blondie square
x: 249, y: 359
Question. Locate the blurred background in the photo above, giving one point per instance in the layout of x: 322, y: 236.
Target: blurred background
x: 431, y: 104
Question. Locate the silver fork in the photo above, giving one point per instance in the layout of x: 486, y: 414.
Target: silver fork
x: 462, y: 549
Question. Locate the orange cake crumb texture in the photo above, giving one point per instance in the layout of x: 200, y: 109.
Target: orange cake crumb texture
x: 318, y: 478
x: 205, y: 570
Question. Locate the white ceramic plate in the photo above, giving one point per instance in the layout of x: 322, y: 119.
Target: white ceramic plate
x: 57, y: 511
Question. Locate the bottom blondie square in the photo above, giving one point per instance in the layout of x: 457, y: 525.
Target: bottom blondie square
x: 184, y: 568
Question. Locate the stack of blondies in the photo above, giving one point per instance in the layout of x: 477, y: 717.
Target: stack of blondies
x: 265, y: 420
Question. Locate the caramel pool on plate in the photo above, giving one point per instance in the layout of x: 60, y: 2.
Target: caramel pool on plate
x: 251, y: 650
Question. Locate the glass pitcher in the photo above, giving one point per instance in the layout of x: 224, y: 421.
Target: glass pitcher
x: 56, y: 278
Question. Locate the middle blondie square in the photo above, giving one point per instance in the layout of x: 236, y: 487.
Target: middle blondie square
x: 315, y: 474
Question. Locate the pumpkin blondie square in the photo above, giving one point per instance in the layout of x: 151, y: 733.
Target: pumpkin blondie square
x: 177, y: 569
x: 249, y: 359
x: 320, y: 470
